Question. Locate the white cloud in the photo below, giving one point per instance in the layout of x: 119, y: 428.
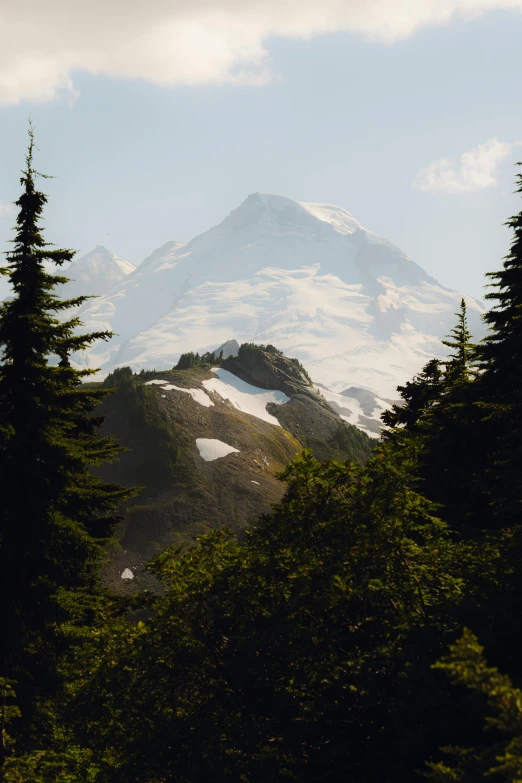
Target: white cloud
x: 187, y: 42
x: 476, y: 170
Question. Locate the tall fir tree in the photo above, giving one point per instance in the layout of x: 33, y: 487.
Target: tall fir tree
x: 452, y: 453
x: 460, y: 365
x: 439, y: 412
x: 501, y: 381
x: 55, y: 516
x: 418, y: 398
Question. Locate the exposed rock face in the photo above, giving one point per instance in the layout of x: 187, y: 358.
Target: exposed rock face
x: 308, y: 416
x: 162, y: 417
x: 228, y: 349
x: 268, y: 370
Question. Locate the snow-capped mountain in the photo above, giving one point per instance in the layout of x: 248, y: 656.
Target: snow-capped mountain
x: 306, y: 277
x: 95, y: 274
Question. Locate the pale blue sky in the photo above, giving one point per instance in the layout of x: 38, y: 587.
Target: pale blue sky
x: 347, y: 121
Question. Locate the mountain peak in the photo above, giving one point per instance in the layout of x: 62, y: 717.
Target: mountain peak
x: 270, y: 209
x: 337, y: 217
x: 303, y: 276
x: 164, y: 252
x: 96, y: 272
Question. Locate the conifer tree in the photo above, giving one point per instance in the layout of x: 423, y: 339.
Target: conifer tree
x: 501, y: 382
x: 55, y: 516
x: 439, y: 411
x: 452, y: 448
x: 294, y: 654
x: 419, y: 396
x: 497, y: 753
x: 459, y: 367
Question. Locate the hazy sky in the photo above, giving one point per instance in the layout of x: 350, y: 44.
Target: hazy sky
x: 159, y: 118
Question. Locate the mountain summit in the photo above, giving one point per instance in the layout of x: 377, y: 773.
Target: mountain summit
x: 305, y: 277
x: 96, y: 273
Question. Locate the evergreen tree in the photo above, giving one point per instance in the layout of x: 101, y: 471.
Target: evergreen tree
x: 453, y: 451
x: 459, y: 366
x: 422, y: 396
x: 498, y: 751
x: 302, y: 653
x: 419, y: 396
x: 439, y: 412
x: 501, y: 382
x: 55, y: 515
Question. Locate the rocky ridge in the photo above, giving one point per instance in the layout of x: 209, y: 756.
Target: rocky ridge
x: 205, y: 447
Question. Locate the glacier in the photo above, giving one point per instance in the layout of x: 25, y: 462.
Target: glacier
x: 305, y: 277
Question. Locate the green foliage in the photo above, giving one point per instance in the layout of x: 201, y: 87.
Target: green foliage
x: 440, y: 411
x: 8, y: 711
x: 500, y: 356
x: 419, y: 395
x: 189, y: 360
x: 55, y: 516
x: 301, y: 369
x: 303, y: 651
x: 460, y: 365
x: 351, y: 441
x: 291, y: 655
x: 246, y: 348
x: 249, y: 348
x: 154, y: 458
x: 501, y: 757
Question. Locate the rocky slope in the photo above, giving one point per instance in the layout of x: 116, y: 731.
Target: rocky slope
x: 306, y: 277
x: 205, y: 443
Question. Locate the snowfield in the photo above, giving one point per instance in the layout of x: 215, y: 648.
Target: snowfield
x: 246, y: 398
x: 350, y: 409
x: 198, y: 395
x: 308, y: 278
x: 211, y: 448
x: 94, y: 274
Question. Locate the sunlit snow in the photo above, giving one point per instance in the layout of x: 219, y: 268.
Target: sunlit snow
x: 349, y: 409
x: 243, y: 396
x: 307, y: 278
x: 197, y: 394
x: 211, y: 448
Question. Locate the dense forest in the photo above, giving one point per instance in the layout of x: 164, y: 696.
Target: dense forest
x: 367, y: 630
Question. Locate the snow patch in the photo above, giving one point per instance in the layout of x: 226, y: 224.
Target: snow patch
x: 349, y: 409
x: 211, y: 448
x: 198, y: 395
x: 245, y: 397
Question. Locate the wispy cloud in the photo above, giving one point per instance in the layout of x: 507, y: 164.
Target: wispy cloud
x: 475, y: 170
x: 187, y: 42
